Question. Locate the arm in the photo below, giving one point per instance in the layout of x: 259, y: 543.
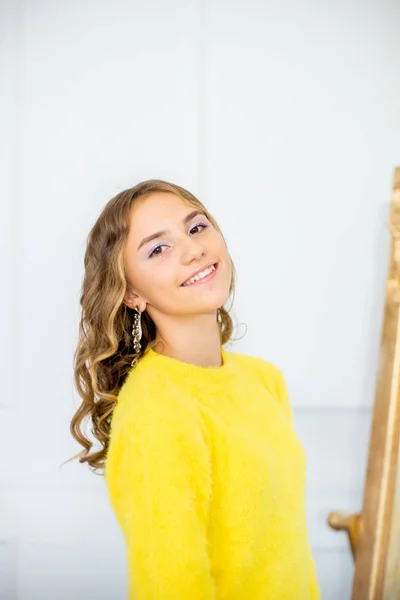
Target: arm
x: 161, y: 490
x: 314, y: 589
x: 274, y: 382
x: 282, y: 393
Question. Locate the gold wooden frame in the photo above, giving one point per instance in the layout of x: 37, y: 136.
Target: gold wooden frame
x: 374, y: 534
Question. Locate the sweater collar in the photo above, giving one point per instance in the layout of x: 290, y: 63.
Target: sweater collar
x: 182, y: 369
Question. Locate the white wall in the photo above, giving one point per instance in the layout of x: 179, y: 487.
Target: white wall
x: 283, y: 117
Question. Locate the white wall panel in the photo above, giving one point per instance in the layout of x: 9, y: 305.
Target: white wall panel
x: 302, y: 136
x: 71, y: 546
x: 336, y: 444
x: 8, y: 568
x: 335, y: 574
x: 10, y: 112
x: 283, y: 118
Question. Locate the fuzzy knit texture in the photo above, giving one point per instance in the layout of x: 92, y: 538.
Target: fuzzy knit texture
x: 206, y: 476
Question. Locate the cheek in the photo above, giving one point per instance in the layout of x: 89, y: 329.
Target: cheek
x: 228, y: 264
x: 223, y: 252
x: 160, y: 278
x: 228, y: 270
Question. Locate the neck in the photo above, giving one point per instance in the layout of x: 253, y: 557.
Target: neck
x: 195, y: 339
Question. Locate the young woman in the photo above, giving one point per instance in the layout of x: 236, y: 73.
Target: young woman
x: 204, y: 470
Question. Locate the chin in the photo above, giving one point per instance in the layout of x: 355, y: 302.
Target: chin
x: 218, y: 300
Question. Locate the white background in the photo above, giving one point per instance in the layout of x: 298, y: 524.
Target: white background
x: 284, y: 119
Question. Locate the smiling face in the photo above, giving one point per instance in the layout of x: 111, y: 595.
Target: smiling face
x: 169, y: 242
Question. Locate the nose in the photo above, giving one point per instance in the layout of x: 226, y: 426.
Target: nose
x: 192, y: 251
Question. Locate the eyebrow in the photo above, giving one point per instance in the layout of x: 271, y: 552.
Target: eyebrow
x: 154, y: 236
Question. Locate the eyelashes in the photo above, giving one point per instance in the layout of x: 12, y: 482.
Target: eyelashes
x: 204, y: 225
x: 153, y: 251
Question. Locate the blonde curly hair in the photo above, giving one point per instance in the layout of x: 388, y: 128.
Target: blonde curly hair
x: 104, y: 352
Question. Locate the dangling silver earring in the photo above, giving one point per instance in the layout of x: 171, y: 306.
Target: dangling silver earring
x: 219, y: 316
x: 137, y: 335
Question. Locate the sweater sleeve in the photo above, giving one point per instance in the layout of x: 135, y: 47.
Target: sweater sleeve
x: 274, y: 381
x: 160, y: 481
x: 282, y: 393
x: 283, y: 396
x: 314, y: 589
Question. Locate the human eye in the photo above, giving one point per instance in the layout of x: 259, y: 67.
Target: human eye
x: 153, y: 251
x: 202, y: 225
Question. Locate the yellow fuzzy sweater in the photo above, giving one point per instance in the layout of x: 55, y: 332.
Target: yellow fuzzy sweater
x: 206, y: 476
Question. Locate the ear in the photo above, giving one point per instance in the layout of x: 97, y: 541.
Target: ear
x: 134, y: 300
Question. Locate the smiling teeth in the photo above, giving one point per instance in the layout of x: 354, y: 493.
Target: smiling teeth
x: 200, y: 275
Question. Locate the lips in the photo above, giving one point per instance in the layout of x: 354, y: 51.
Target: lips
x: 200, y: 270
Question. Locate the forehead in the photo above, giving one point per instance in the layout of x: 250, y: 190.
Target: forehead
x: 156, y: 209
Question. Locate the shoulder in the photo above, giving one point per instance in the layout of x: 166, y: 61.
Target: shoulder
x: 152, y: 411
x: 267, y: 371
x: 155, y: 432
x: 268, y: 374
